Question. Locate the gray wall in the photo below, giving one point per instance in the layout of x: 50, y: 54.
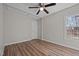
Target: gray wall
x: 1, y: 29
x: 54, y: 27
x: 39, y: 21
x: 18, y: 26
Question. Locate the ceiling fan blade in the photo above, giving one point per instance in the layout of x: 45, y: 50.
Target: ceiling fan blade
x: 51, y: 4
x: 33, y: 7
x: 40, y: 4
x: 38, y: 12
x: 46, y: 11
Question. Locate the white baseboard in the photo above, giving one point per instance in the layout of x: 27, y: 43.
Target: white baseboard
x: 16, y: 42
x: 62, y: 44
x: 48, y: 41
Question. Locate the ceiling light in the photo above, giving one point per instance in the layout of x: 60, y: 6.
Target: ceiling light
x: 41, y: 8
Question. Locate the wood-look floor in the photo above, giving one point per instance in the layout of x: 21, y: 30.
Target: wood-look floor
x: 38, y: 47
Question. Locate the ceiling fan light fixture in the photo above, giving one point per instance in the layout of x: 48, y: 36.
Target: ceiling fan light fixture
x: 41, y: 8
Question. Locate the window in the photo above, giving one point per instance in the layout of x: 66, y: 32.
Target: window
x: 72, y: 26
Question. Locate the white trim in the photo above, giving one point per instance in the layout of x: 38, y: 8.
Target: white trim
x: 17, y: 42
x: 24, y: 12
x: 62, y: 44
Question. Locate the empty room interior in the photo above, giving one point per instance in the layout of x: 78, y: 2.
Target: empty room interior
x: 39, y: 29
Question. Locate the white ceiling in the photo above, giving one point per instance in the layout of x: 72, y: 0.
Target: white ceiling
x: 32, y: 12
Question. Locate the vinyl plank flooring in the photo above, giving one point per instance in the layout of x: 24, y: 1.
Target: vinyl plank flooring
x: 37, y: 47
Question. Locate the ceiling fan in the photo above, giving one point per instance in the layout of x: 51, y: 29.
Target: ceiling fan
x: 42, y: 7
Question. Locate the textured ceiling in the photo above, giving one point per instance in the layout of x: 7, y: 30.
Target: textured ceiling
x: 32, y: 12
